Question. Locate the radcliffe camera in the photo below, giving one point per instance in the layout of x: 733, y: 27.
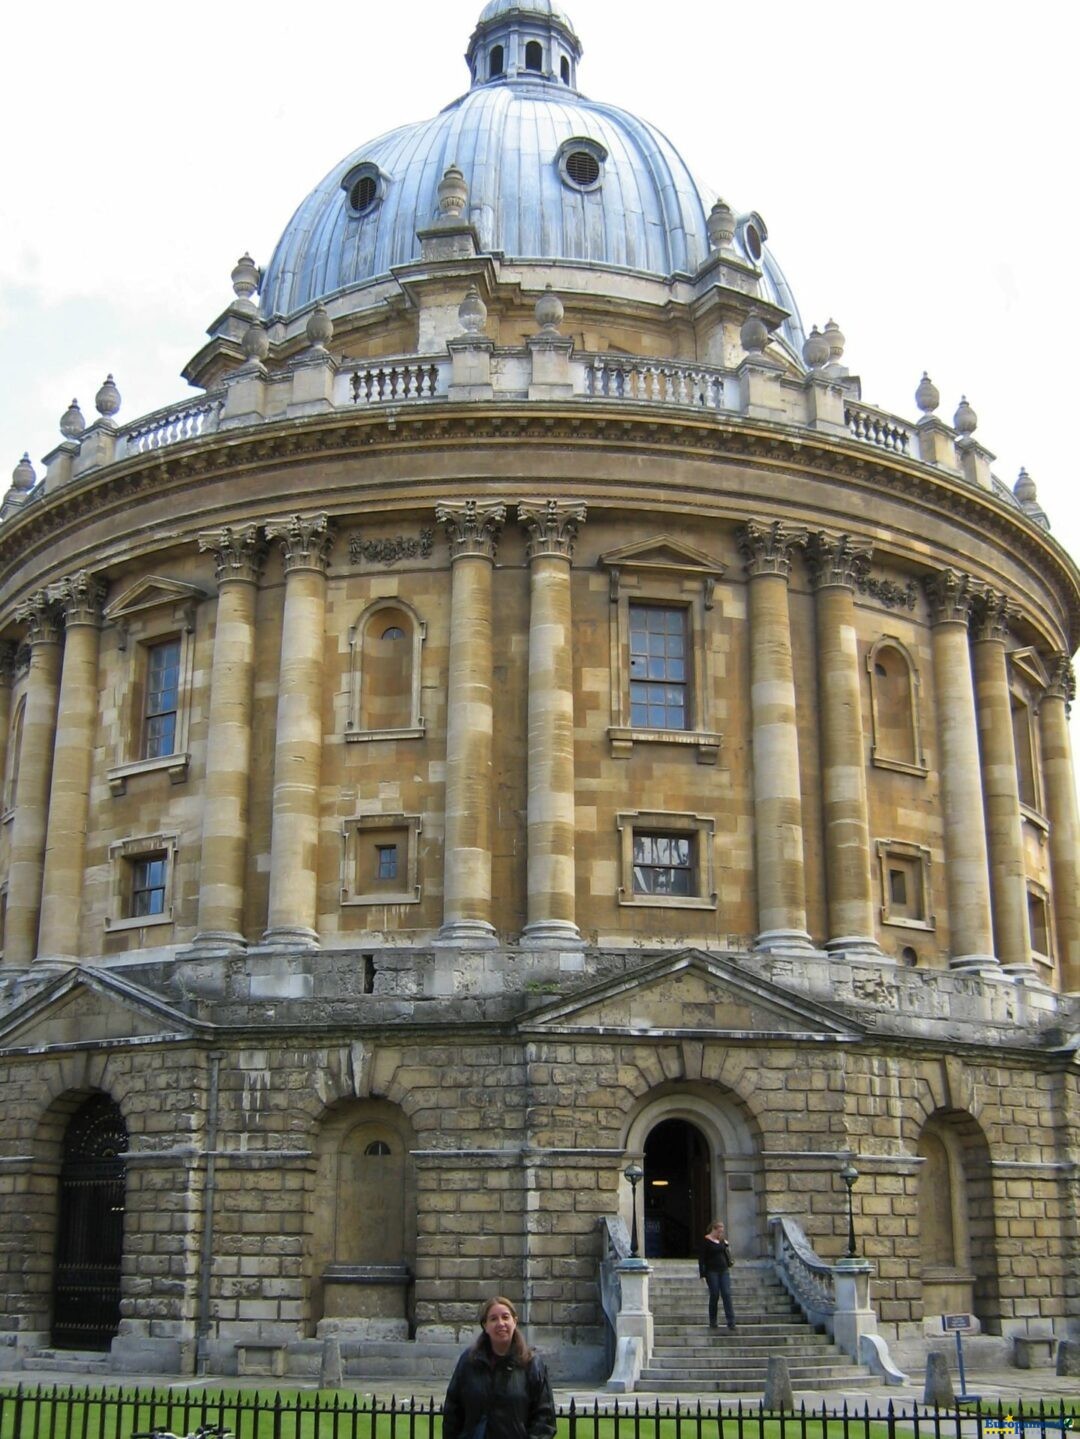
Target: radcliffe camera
x: 539, y: 839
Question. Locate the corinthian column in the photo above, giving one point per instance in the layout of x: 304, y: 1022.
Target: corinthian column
x: 80, y: 599
x: 778, y: 834
x: 836, y: 565
x: 35, y: 772
x: 294, y: 835
x: 552, y: 528
x: 966, y: 866
x: 1001, y: 787
x: 239, y: 558
x: 1061, y: 810
x: 473, y: 534
x: 7, y: 680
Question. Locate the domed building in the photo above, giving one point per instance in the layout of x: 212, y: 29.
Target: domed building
x: 526, y: 756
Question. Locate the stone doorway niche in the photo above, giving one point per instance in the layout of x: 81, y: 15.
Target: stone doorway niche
x: 90, y: 1227
x: 701, y: 1160
x: 957, y: 1229
x: 363, y: 1237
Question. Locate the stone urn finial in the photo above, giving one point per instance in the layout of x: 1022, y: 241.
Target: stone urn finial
x: 72, y: 423
x: 472, y: 312
x: 453, y: 195
x: 754, y: 334
x: 835, y: 336
x: 549, y: 311
x: 927, y: 396
x: 245, y: 278
x: 256, y: 342
x: 320, y: 327
x: 965, y: 420
x: 1024, y: 489
x: 816, y: 350
x: 107, y: 399
x: 22, y: 476
x: 721, y: 225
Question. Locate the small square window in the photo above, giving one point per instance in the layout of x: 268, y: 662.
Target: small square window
x: 905, y: 884
x: 381, y: 860
x: 148, y: 884
x: 664, y: 864
x: 666, y: 859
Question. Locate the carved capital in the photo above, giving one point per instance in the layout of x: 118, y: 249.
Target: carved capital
x: 239, y: 554
x: 836, y: 560
x: 1062, y: 684
x: 79, y: 597
x: 766, y: 549
x: 471, y: 530
x: 305, y: 539
x: 990, y: 615
x: 552, y: 526
x: 39, y: 615
x: 951, y: 596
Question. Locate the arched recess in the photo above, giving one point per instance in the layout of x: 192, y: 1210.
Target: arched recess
x: 894, y: 706
x: 957, y: 1230
x: 363, y: 1221
x: 14, y: 755
x: 384, y: 693
x: 89, y: 1225
x: 702, y: 1137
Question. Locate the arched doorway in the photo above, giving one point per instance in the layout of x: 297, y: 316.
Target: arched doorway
x: 678, y: 1189
x: 90, y: 1229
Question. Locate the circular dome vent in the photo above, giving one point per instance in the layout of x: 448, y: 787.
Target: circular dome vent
x: 581, y: 163
x: 364, y: 187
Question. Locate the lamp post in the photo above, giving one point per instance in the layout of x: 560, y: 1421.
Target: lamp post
x: 849, y: 1174
x: 635, y: 1174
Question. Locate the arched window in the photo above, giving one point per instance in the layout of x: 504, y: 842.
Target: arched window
x: 534, y: 56
x: 894, y: 708
x: 564, y: 70
x: 385, y: 698
x: 495, y: 63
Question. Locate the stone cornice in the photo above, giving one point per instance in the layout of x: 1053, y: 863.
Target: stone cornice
x: 611, y: 426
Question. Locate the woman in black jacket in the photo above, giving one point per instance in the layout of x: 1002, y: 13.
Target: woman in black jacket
x: 500, y: 1387
x: 714, y: 1266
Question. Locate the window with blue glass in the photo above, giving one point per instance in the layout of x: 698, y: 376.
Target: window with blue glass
x: 148, y: 881
x: 162, y: 699
x: 386, y: 861
x: 658, y: 671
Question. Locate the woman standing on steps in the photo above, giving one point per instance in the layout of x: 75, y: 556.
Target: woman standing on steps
x: 714, y: 1266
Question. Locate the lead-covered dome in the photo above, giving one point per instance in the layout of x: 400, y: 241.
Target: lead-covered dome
x: 551, y: 175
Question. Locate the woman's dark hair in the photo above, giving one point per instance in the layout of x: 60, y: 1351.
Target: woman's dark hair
x: 482, y: 1350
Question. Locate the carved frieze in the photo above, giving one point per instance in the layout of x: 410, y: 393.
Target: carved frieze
x: 387, y: 550
x: 888, y: 593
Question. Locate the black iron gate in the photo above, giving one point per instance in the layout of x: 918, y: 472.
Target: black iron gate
x: 86, y: 1295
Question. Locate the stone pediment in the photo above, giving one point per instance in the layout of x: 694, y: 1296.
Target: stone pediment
x: 151, y: 593
x: 663, y: 553
x: 86, y: 1006
x: 691, y: 992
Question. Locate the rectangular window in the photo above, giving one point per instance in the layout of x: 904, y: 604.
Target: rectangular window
x: 386, y: 861
x: 658, y: 675
x: 1038, y: 923
x: 905, y: 884
x: 148, y: 885
x: 664, y: 864
x: 162, y: 699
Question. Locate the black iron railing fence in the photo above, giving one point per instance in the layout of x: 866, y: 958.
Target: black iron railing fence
x: 55, y: 1412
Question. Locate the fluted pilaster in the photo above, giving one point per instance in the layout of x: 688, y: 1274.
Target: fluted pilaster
x: 79, y: 599
x: 239, y: 555
x: 473, y: 534
x: 552, y: 528
x: 294, y: 836
x: 28, y: 829
x: 778, y: 832
x: 991, y: 613
x: 1061, y: 808
x: 966, y: 862
x: 836, y: 565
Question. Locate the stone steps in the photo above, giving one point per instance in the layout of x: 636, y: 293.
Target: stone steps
x: 69, y: 1361
x: 688, y: 1357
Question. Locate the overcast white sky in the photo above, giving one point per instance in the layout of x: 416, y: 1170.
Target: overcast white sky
x: 915, y: 166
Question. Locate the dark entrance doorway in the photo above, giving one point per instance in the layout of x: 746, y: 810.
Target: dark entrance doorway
x: 86, y: 1294
x: 678, y: 1190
